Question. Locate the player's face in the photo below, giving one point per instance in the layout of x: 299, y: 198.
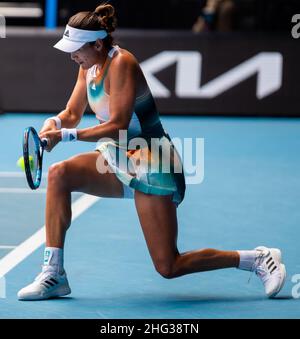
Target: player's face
x: 87, y: 55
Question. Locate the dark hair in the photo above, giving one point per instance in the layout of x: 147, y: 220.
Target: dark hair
x: 102, y: 18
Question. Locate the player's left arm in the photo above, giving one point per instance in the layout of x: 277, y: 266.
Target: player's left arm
x: 123, y: 84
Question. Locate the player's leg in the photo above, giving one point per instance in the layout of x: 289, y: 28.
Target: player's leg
x: 157, y: 215
x: 78, y: 174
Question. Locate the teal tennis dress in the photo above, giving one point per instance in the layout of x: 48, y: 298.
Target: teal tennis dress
x: 145, y: 159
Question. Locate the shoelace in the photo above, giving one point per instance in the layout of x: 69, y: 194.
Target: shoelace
x: 256, y: 263
x: 260, y: 271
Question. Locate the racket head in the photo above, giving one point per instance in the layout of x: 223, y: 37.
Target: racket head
x: 33, y: 157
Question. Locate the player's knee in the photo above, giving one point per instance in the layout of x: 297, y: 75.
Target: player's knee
x: 165, y: 269
x: 57, y: 173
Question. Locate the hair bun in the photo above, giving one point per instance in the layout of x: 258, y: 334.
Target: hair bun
x: 106, y: 17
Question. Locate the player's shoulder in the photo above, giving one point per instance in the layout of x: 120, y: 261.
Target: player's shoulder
x: 124, y: 59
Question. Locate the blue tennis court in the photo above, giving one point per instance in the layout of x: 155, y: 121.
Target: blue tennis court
x: 249, y: 197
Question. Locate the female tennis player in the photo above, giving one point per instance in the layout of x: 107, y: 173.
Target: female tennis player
x: 111, y: 81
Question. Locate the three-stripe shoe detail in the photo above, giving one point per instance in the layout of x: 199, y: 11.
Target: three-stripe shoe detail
x: 52, y: 282
x: 269, y: 268
x: 48, y: 284
x: 270, y: 262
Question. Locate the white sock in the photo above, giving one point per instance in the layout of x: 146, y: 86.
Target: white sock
x: 247, y: 260
x: 54, y: 257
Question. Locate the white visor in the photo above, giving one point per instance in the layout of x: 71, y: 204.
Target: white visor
x: 75, y: 38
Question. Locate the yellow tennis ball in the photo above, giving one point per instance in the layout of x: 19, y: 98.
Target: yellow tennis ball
x: 21, y: 163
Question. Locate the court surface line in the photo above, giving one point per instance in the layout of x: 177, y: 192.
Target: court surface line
x: 21, y: 190
x: 22, y: 251
x: 17, y: 175
x: 6, y: 247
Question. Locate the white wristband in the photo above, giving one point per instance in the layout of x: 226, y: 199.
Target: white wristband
x: 68, y: 134
x: 57, y: 121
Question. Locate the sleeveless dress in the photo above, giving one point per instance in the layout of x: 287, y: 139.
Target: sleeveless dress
x: 145, y: 159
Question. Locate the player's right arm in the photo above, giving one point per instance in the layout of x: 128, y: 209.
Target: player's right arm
x: 72, y: 114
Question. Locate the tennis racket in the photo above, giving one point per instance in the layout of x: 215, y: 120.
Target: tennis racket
x: 33, y: 150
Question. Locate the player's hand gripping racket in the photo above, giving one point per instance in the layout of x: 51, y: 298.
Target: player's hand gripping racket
x: 33, y: 150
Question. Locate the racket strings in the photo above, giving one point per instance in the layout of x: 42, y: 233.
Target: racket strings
x: 33, y: 156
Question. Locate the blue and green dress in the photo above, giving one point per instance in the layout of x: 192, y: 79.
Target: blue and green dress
x: 138, y: 167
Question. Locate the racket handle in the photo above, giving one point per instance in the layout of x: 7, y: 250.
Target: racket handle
x: 44, y: 142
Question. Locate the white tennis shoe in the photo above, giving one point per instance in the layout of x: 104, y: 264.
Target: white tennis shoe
x: 48, y: 284
x: 270, y: 270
